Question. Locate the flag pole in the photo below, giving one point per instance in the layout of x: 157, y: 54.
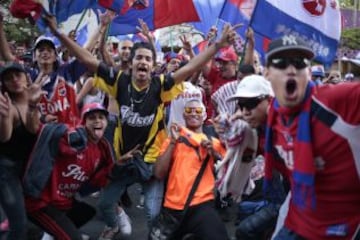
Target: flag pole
x: 171, y: 40
x: 80, y: 20
x: 246, y: 39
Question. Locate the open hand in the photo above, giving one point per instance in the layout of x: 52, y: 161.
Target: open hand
x: 5, y: 105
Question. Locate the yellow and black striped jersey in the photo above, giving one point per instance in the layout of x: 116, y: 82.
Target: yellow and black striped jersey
x: 141, y: 119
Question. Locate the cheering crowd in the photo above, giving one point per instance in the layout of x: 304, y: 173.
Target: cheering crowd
x: 198, y: 132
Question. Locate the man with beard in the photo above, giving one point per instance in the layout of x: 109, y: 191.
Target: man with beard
x: 141, y: 100
x: 312, y: 138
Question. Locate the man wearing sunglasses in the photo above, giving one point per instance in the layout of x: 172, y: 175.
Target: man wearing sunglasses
x: 180, y: 159
x: 312, y: 138
x: 257, y: 218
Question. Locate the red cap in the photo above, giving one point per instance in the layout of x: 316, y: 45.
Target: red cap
x: 227, y: 55
x: 91, y: 107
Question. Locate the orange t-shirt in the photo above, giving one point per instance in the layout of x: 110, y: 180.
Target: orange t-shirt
x: 184, y: 169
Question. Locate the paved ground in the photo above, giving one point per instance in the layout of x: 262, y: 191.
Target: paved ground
x: 137, y: 215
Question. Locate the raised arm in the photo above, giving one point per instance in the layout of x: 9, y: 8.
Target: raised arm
x: 86, y: 88
x: 187, y: 46
x: 105, y: 20
x: 250, y: 46
x: 211, y: 36
x: 227, y: 38
x: 5, y: 51
x: 144, y: 29
x: 34, y: 92
x: 83, y: 55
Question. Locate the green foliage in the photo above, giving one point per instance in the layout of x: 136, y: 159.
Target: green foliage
x: 19, y: 30
x: 347, y: 3
x: 351, y: 38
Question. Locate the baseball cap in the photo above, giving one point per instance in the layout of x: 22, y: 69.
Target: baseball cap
x: 349, y: 76
x: 287, y: 43
x: 11, y: 66
x: 227, y: 55
x: 170, y: 55
x: 318, y: 71
x: 252, y: 86
x: 91, y: 107
x: 42, y: 39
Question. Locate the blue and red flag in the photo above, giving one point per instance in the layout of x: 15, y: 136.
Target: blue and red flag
x: 308, y: 19
x: 201, y: 46
x: 62, y: 10
x: 208, y: 11
x: 155, y: 13
x: 240, y: 12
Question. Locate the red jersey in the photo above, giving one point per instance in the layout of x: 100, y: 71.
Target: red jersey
x: 336, y: 149
x: 216, y: 80
x: 71, y: 170
x: 61, y: 103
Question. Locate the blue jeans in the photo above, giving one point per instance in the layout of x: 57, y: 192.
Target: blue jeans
x: 110, y: 195
x: 247, y: 208
x: 287, y: 234
x: 12, y: 201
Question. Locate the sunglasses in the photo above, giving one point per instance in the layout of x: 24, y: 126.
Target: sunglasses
x: 284, y: 62
x: 250, y: 103
x: 197, y: 110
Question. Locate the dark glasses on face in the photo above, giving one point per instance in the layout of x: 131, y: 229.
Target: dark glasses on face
x: 250, y: 103
x: 197, y: 110
x: 284, y: 62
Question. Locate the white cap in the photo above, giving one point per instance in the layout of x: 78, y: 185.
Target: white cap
x: 44, y: 38
x: 252, y: 86
x: 349, y: 75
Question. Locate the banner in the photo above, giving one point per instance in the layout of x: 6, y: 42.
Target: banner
x: 318, y: 22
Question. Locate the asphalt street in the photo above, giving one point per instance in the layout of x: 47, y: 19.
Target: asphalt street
x: 137, y: 216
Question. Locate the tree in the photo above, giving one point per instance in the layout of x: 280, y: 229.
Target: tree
x: 19, y: 30
x: 347, y: 3
x: 351, y: 38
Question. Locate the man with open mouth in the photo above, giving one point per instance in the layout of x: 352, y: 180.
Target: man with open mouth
x: 312, y: 138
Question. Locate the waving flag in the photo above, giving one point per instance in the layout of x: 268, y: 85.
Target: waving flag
x: 156, y: 14
x: 201, y: 46
x: 208, y: 11
x: 318, y: 22
x: 82, y: 35
x: 62, y: 10
x: 240, y: 12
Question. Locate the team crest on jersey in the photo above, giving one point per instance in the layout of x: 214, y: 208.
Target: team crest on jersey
x: 314, y: 7
x: 62, y: 89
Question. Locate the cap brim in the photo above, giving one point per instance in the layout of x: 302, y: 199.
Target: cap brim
x: 305, y: 51
x: 244, y: 95
x: 5, y: 69
x: 43, y: 41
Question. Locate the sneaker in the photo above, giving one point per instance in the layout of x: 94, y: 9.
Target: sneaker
x: 124, y: 222
x: 109, y: 233
x: 47, y: 236
x: 141, y: 202
x: 4, y: 226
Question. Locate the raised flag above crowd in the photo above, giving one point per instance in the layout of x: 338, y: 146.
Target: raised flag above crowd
x: 306, y: 18
x: 317, y: 22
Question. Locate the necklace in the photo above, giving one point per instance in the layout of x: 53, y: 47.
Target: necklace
x: 137, y: 101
